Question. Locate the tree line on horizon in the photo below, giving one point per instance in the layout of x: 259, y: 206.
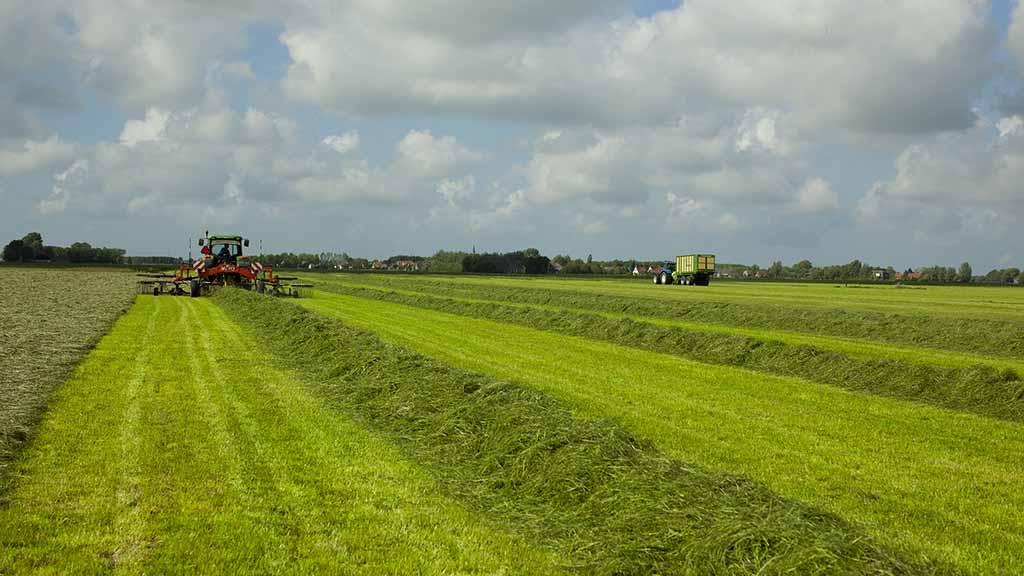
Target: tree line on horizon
x: 31, y: 248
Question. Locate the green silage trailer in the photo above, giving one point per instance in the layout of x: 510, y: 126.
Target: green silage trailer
x: 689, y: 270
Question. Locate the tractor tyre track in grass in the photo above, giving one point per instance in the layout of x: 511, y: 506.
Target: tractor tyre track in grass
x: 175, y: 447
x: 994, y: 389
x: 932, y: 481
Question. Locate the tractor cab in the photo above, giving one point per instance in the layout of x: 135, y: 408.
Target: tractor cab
x: 223, y: 249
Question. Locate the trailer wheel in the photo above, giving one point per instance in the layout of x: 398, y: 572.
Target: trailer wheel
x: 156, y: 290
x: 261, y: 287
x: 194, y: 288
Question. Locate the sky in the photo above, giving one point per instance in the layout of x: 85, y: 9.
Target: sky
x: 890, y: 131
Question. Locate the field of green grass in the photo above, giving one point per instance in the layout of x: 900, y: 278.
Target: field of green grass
x: 995, y: 302
x: 177, y: 447
x: 984, y: 385
x: 51, y: 318
x: 405, y: 424
x: 830, y: 310
x: 935, y: 482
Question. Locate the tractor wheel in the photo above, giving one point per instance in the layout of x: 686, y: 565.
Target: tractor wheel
x: 194, y: 288
x: 657, y: 278
x: 665, y: 278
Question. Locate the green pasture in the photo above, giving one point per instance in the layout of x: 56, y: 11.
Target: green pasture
x: 996, y: 302
x: 978, y: 336
x: 934, y: 482
x: 604, y: 501
x: 178, y: 447
x: 51, y: 319
x: 854, y: 347
x: 979, y: 388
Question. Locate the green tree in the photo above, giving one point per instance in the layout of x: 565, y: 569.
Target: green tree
x: 966, y: 274
x: 775, y: 270
x: 34, y: 240
x: 802, y: 269
x: 12, y: 252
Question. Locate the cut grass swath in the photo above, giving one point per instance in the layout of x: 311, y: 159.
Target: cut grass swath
x: 973, y: 301
x: 941, y: 483
x: 988, y: 336
x: 980, y: 389
x: 854, y: 347
x: 605, y: 501
x: 51, y: 318
x: 176, y: 447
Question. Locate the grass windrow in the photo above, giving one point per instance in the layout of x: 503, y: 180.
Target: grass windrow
x: 979, y: 388
x: 605, y: 501
x: 51, y: 319
x: 938, y: 482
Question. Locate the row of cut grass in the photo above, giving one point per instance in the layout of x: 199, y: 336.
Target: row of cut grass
x: 994, y: 337
x: 994, y: 302
x: 855, y: 348
x: 939, y: 483
x: 977, y: 388
x: 51, y: 318
x: 177, y: 447
x: 606, y: 503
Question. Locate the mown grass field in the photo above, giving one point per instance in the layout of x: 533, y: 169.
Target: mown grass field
x: 980, y: 384
x: 420, y: 425
x: 51, y: 318
x: 831, y: 310
x: 994, y: 302
x: 177, y: 447
x: 931, y: 480
x: 859, y: 347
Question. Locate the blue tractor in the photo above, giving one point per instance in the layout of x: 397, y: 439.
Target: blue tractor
x: 688, y: 270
